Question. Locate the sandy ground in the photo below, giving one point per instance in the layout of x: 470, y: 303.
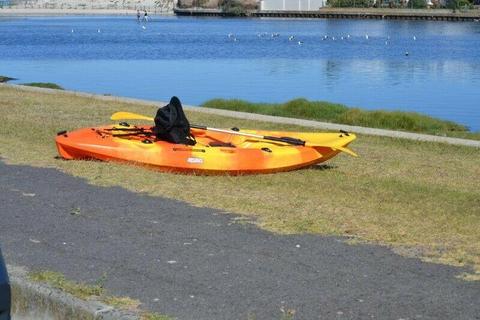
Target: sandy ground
x: 75, y: 12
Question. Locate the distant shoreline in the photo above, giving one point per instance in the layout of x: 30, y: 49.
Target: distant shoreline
x: 336, y: 13
x: 346, y: 13
x: 76, y: 12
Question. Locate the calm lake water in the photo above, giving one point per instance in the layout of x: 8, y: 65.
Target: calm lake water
x: 360, y: 63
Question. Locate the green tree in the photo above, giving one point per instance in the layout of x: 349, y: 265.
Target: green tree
x: 459, y: 4
x: 350, y: 3
x: 233, y: 7
x: 417, y: 4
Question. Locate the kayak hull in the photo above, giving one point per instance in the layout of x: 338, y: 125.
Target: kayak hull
x: 214, y: 153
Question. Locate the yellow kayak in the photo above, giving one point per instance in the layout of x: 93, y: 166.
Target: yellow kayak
x: 213, y: 153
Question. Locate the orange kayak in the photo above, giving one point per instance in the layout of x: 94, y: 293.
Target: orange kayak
x: 214, y: 152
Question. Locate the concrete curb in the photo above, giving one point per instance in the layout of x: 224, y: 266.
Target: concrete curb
x: 266, y: 118
x: 31, y: 300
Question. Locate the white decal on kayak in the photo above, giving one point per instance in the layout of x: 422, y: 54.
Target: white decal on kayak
x: 195, y: 160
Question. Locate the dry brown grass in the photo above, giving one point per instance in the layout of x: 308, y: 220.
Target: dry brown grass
x: 422, y: 198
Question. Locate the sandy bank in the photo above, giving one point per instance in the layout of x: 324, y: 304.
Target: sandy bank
x: 76, y: 12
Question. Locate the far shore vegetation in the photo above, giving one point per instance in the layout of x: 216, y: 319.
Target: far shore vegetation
x: 47, y: 85
x: 245, y: 7
x: 339, y: 113
x: 242, y: 6
x: 4, y: 79
x: 420, y: 198
x: 403, y: 4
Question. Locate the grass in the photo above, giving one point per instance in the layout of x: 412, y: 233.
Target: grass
x: 47, y: 85
x: 92, y: 291
x: 421, y: 198
x: 155, y: 316
x: 473, y: 276
x: 58, y: 281
x: 338, y: 113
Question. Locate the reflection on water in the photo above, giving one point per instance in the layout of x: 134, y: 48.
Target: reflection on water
x: 360, y: 63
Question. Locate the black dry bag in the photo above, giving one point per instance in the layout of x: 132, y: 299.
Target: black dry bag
x: 172, y: 125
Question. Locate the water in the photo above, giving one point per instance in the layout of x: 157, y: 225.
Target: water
x: 195, y: 59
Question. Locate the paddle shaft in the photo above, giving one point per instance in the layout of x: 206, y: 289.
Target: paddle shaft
x: 288, y: 140
x: 297, y: 142
x: 294, y: 141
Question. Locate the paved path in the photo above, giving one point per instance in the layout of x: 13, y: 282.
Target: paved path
x: 194, y: 263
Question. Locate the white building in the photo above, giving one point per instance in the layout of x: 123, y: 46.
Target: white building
x: 292, y: 5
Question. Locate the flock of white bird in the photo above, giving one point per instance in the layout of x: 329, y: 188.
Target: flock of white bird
x: 299, y: 42
x: 234, y: 38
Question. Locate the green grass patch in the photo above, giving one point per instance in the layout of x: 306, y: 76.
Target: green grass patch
x: 58, y: 281
x: 48, y: 85
x: 155, y: 316
x: 421, y: 197
x: 92, y: 291
x: 338, y: 113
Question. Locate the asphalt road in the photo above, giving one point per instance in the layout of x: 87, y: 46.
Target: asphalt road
x: 198, y: 263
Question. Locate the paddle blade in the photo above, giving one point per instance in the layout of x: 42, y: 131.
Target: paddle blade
x: 123, y: 115
x: 342, y: 149
x: 346, y: 150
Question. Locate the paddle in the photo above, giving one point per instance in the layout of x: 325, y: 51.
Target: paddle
x: 122, y: 115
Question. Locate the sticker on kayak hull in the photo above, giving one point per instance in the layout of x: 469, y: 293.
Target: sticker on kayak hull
x: 195, y: 160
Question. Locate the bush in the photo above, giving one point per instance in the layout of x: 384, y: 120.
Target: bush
x: 233, y: 8
x: 459, y: 4
x: 417, y: 4
x: 350, y: 3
